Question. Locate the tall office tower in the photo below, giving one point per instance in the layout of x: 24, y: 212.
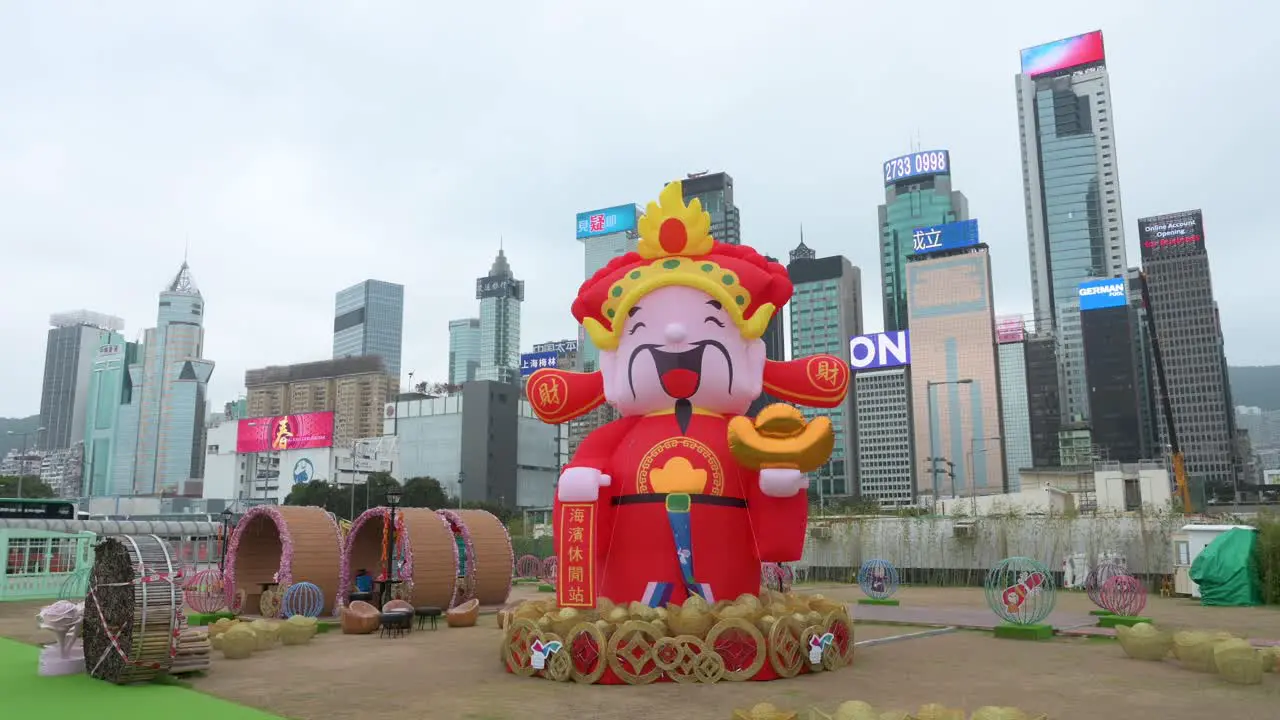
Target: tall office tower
x: 500, y: 295
x: 715, y: 192
x: 1044, y: 406
x: 175, y: 377
x: 368, y: 319
x: 882, y: 389
x: 1015, y: 409
x: 464, y: 350
x: 605, y: 234
x: 954, y: 373
x: 826, y: 311
x: 1111, y: 366
x: 1071, y: 186
x: 68, y: 362
x: 917, y: 193
x: 109, y: 426
x: 775, y: 348
x: 1190, y: 341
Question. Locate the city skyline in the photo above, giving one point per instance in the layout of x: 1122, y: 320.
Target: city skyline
x: 57, y: 195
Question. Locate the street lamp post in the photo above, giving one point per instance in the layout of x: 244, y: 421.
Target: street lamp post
x: 226, y: 539
x: 461, y: 477
x: 933, y: 435
x: 393, y: 500
x: 22, y: 459
x: 971, y: 468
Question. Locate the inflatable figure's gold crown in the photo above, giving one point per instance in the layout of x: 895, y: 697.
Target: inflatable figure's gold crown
x: 669, y: 227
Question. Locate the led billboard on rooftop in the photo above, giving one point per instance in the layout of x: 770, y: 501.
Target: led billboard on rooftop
x: 1065, y: 55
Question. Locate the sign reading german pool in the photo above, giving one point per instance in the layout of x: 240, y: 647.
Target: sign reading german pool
x: 1103, y: 294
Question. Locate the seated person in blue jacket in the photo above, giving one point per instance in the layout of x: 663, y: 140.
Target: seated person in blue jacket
x: 364, y: 581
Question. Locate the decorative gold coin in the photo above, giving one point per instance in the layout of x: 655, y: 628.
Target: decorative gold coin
x: 630, y: 652
x: 667, y: 654
x: 578, y: 636
x: 691, y: 649
x: 709, y: 668
x: 516, y: 640
x: 560, y: 666
x: 786, y: 652
x: 733, y: 639
x: 837, y: 623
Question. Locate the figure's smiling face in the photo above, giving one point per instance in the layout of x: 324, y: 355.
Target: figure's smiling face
x: 679, y: 343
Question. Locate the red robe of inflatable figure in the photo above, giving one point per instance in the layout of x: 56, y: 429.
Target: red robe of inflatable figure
x: 677, y: 513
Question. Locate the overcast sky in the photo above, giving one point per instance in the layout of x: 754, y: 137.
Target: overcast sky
x: 300, y: 147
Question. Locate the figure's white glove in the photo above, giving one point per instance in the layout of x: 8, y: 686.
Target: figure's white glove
x: 782, y: 482
x: 581, y: 484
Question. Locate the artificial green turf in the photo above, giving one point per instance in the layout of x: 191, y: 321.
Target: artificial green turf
x: 24, y: 694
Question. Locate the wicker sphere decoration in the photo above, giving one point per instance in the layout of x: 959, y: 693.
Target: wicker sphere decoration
x: 549, y: 567
x: 1098, y: 577
x: 203, y: 591
x: 878, y: 579
x: 304, y: 598
x: 776, y: 576
x: 528, y: 566
x: 1123, y: 595
x: 1020, y: 591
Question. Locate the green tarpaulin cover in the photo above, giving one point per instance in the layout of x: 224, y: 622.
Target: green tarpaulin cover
x: 1227, y: 570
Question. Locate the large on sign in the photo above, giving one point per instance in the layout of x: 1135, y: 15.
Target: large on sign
x: 880, y: 351
x: 1103, y: 294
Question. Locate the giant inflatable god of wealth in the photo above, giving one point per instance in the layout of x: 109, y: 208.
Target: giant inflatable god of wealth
x: 684, y: 494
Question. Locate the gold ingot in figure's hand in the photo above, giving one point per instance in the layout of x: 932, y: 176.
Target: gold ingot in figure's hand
x: 780, y: 438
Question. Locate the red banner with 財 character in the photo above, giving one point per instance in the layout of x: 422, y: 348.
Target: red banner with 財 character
x: 575, y: 553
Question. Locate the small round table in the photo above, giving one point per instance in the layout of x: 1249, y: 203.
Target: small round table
x: 395, y: 622
x: 426, y: 613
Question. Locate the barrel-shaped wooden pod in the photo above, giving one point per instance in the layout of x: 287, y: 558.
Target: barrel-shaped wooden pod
x: 423, y: 541
x: 133, y: 609
x: 281, y: 545
x: 492, y: 560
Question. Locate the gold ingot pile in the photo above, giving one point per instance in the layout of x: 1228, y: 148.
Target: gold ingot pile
x: 693, y: 617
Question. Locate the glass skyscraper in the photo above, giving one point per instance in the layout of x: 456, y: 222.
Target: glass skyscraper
x: 500, y: 295
x: 715, y: 192
x: 68, y: 363
x: 464, y: 350
x: 109, y: 424
x: 368, y: 319
x: 1189, y: 335
x: 1071, y: 183
x: 1015, y: 410
x: 912, y: 202
x: 826, y: 311
x: 171, y: 414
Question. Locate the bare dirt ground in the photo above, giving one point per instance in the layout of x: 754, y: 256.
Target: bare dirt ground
x: 1174, y: 613
x: 456, y: 674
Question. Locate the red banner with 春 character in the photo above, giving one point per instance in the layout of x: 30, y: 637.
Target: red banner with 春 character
x: 575, y: 550
x: 285, y: 432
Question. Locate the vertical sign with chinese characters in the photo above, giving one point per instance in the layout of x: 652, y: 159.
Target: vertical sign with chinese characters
x: 575, y: 550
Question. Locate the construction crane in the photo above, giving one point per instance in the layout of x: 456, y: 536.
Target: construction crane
x: 1179, y: 464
